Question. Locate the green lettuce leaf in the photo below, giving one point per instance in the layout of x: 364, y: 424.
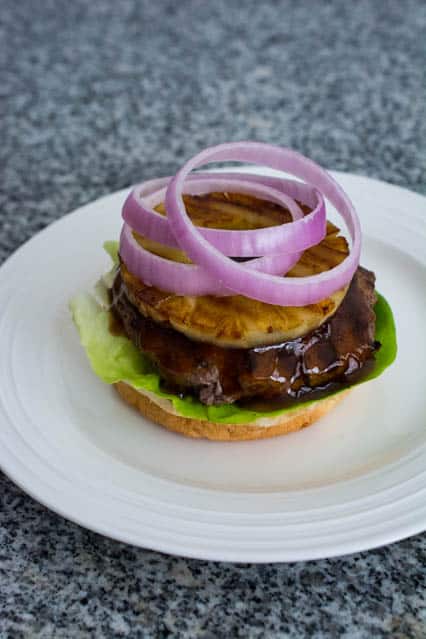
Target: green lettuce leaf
x: 114, y: 358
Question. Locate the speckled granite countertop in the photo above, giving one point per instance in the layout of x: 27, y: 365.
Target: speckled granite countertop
x: 93, y: 97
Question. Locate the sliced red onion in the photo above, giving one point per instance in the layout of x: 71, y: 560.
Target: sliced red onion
x: 272, y: 289
x: 305, y: 231
x: 187, y: 279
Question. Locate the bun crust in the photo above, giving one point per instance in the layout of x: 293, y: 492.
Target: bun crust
x: 260, y: 429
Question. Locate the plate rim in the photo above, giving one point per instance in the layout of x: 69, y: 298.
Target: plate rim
x: 391, y: 537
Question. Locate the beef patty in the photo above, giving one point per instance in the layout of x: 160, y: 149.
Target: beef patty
x: 333, y: 354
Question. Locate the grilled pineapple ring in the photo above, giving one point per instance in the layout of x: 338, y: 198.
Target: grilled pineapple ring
x: 237, y: 321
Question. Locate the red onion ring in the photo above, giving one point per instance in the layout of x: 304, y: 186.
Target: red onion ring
x: 303, y: 232
x: 188, y: 279
x: 264, y: 287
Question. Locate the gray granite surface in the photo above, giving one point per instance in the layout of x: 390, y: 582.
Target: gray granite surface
x: 97, y: 95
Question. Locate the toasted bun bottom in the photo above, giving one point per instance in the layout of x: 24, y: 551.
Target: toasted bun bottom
x: 161, y: 412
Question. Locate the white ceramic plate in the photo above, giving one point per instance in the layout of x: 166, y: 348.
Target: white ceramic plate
x: 353, y: 481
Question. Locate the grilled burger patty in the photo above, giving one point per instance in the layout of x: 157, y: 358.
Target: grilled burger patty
x: 333, y: 354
